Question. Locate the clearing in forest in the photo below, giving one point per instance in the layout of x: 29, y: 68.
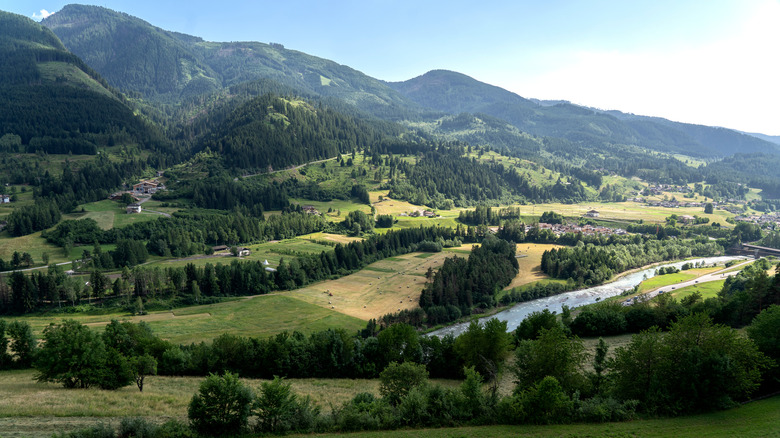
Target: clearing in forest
x: 380, y: 288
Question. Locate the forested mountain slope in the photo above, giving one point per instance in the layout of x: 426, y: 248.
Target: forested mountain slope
x: 168, y: 66
x: 51, y: 101
x: 455, y: 93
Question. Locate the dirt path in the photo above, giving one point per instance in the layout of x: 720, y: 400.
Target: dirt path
x: 289, y: 168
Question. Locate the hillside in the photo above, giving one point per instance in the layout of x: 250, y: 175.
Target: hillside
x: 136, y: 56
x: 272, y: 133
x: 51, y: 101
x: 455, y: 93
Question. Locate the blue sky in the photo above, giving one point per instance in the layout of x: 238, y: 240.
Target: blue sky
x: 710, y: 62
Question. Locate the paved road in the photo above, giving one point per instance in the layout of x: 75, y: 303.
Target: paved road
x: 714, y: 276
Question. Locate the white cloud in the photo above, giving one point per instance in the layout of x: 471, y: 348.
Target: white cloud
x: 41, y: 15
x: 731, y: 82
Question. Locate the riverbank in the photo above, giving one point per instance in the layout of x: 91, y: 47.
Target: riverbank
x: 514, y: 314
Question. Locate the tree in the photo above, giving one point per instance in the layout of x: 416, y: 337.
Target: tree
x: 530, y: 327
x: 546, y: 402
x: 279, y: 410
x: 765, y: 332
x: 551, y: 354
x: 221, y: 406
x: 398, y: 379
x: 484, y: 347
x: 23, y: 343
x: 696, y: 366
x: 72, y: 354
x: 708, y: 209
x: 5, y: 358
x: 599, y: 365
x: 142, y: 366
x: 126, y: 199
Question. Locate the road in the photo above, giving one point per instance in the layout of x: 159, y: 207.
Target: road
x: 713, y: 276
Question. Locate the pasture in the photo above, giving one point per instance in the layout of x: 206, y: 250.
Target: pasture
x: 380, y: 288
x: 529, y: 261
x: 258, y: 316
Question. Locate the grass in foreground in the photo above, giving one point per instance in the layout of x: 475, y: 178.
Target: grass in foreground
x: 757, y: 419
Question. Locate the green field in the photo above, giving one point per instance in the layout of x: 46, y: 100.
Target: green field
x: 259, y: 316
x: 709, y: 289
x: 757, y: 419
x: 668, y: 279
x: 23, y: 414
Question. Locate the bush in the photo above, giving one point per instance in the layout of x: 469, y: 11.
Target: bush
x: 397, y: 380
x: 221, y: 406
x: 601, y: 410
x: 546, y: 402
x: 279, y: 410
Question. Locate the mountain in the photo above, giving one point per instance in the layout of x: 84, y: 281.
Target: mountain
x: 168, y: 67
x: 454, y: 93
x: 770, y: 138
x: 51, y: 101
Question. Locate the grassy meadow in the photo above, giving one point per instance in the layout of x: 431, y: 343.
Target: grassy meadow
x: 754, y: 420
x: 380, y: 288
x: 530, y: 263
x: 259, y: 316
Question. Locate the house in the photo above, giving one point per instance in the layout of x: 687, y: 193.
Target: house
x: 146, y: 186
x: 428, y: 213
x: 686, y: 219
x: 5, y: 199
x: 592, y: 213
x: 219, y: 248
x: 243, y: 252
x: 133, y: 208
x: 309, y: 209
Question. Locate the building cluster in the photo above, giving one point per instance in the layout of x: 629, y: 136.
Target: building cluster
x: 669, y: 188
x: 587, y: 230
x: 767, y: 220
x: 309, y: 209
x: 675, y: 203
x: 420, y: 213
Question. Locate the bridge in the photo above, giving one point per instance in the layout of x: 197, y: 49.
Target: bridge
x: 759, y: 251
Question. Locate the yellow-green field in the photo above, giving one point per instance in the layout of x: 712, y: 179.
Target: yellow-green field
x: 529, y: 261
x: 709, y: 289
x: 259, y: 316
x: 272, y: 251
x: 669, y: 279
x: 380, y: 288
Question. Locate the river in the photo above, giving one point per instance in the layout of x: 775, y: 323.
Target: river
x: 514, y: 315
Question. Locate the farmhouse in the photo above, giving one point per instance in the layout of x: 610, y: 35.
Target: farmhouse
x: 592, y: 213
x: 146, y: 186
x: 686, y: 219
x: 133, y: 208
x: 309, y: 209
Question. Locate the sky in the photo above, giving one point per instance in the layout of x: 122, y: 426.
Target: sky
x: 712, y: 62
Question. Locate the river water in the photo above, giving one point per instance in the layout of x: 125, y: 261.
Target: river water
x: 514, y: 315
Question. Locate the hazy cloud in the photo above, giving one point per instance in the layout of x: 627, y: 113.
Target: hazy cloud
x: 41, y: 15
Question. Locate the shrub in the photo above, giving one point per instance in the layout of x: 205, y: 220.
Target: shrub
x: 397, y: 380
x: 221, y: 406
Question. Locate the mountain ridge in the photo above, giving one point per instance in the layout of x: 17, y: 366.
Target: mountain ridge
x: 453, y: 92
